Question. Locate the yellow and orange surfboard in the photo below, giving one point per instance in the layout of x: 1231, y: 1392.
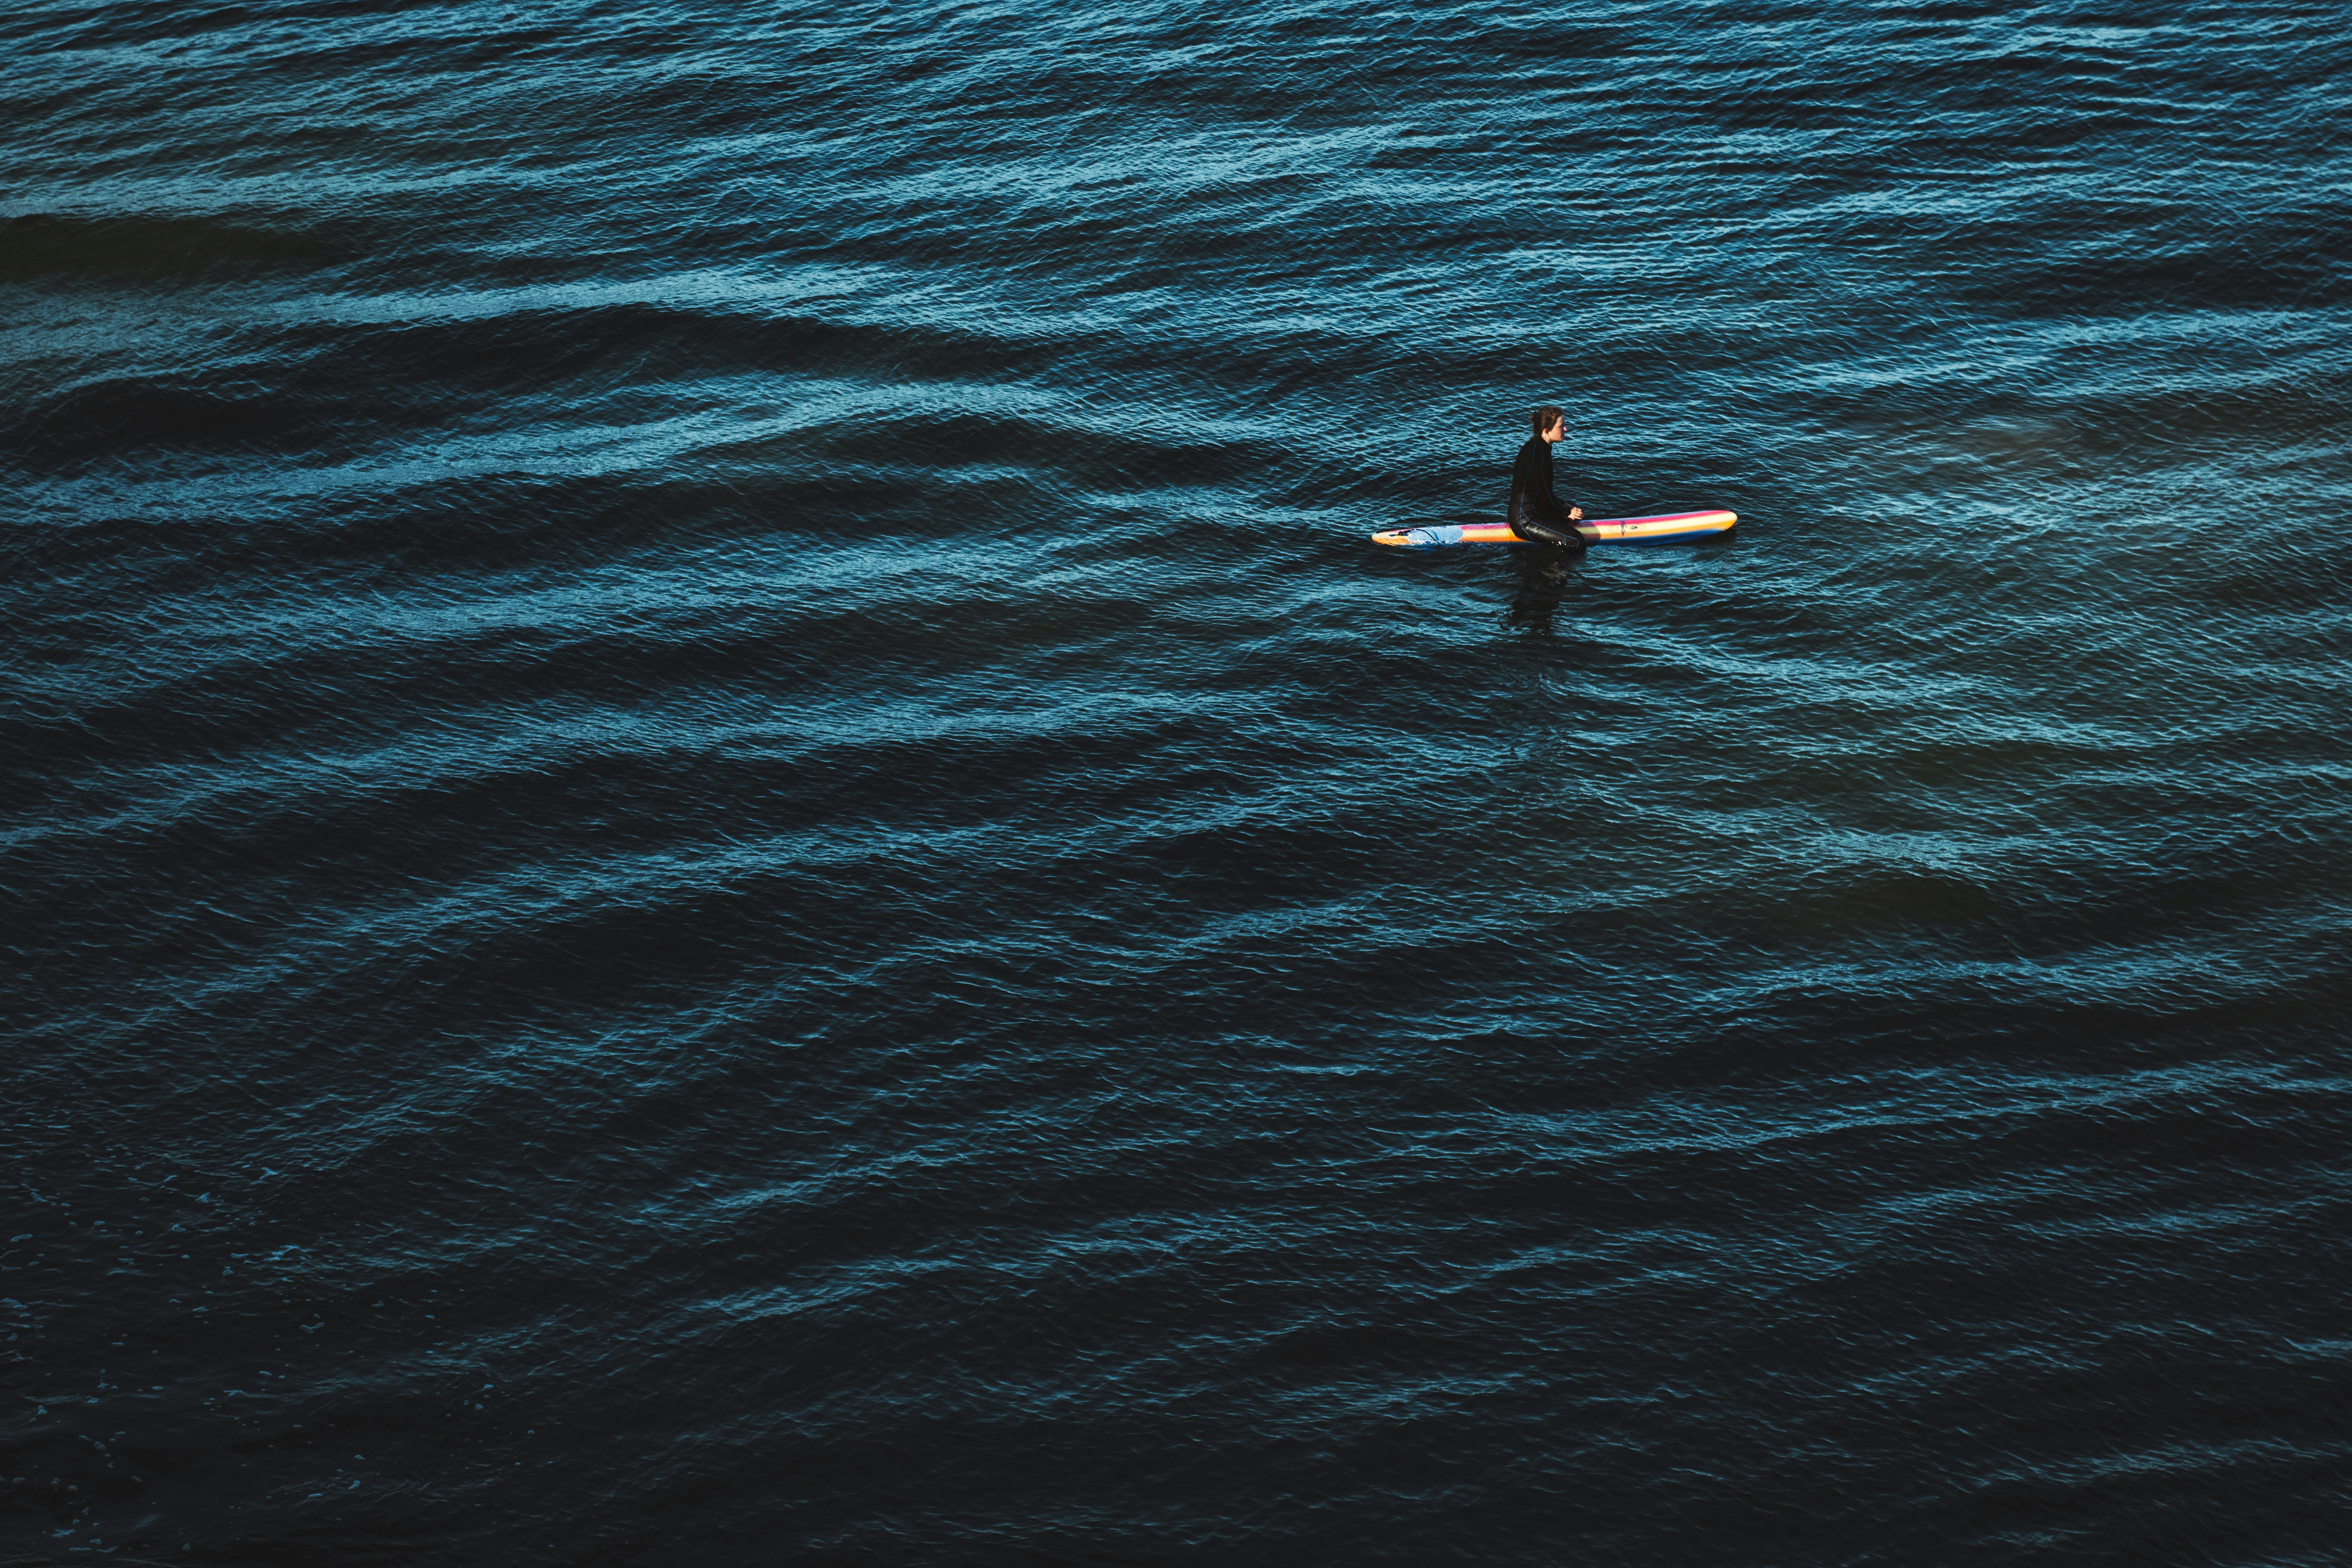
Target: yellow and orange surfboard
x: 1669, y: 528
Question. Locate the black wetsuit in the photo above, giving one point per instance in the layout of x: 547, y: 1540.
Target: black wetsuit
x: 1538, y: 515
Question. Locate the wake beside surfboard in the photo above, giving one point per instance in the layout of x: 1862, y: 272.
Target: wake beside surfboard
x: 1671, y: 528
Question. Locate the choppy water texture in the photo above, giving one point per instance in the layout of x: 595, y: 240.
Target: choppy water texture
x: 724, y: 850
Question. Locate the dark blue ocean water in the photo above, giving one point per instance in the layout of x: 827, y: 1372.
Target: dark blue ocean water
x: 722, y: 849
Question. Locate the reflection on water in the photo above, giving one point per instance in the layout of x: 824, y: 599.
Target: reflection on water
x: 1544, y: 573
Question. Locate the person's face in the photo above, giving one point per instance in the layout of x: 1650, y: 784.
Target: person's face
x: 1558, y: 428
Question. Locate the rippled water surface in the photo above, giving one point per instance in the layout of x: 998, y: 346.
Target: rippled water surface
x: 723, y: 849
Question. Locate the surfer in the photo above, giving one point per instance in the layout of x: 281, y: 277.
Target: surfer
x: 1537, y: 515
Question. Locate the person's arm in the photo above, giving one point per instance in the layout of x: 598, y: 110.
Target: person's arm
x: 1560, y: 511
x: 1549, y: 500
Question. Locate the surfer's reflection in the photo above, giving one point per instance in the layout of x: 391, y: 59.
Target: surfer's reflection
x: 1543, y: 580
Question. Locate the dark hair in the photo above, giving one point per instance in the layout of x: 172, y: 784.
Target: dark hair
x: 1544, y: 418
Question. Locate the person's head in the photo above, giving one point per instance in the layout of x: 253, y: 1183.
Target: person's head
x: 1549, y: 422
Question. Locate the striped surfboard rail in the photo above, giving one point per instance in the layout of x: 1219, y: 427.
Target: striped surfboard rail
x: 1667, y: 528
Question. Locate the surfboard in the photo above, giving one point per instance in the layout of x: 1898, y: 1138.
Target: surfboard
x: 1669, y: 528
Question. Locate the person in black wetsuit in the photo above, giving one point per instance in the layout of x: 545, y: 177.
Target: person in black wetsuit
x: 1537, y: 515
